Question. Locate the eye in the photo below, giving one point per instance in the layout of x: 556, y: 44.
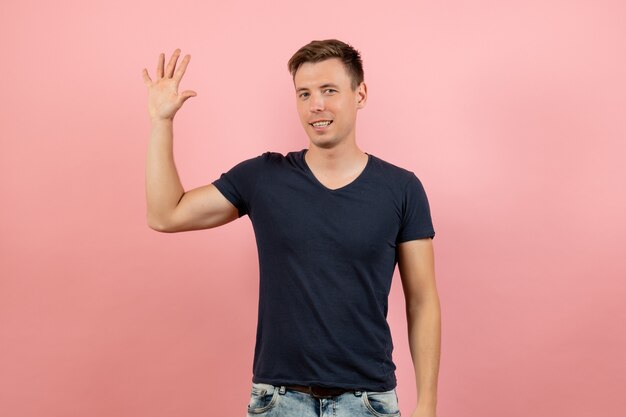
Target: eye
x: 303, y: 95
x: 330, y: 90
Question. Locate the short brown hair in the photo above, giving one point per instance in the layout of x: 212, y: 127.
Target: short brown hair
x: 316, y: 51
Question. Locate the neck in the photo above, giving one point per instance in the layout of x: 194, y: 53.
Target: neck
x: 341, y: 158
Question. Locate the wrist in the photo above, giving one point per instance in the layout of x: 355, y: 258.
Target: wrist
x: 155, y: 121
x: 427, y: 404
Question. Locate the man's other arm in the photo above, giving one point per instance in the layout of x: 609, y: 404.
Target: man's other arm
x: 417, y: 271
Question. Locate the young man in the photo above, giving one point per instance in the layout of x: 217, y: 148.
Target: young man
x: 331, y: 222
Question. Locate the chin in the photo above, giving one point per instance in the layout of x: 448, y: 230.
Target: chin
x: 324, y: 143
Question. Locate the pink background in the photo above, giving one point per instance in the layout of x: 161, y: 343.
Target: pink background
x: 511, y: 114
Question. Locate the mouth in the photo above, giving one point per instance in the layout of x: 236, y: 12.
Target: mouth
x: 320, y: 124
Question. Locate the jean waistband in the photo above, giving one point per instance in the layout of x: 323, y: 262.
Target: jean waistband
x: 319, y: 392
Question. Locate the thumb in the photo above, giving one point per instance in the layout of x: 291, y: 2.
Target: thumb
x: 185, y: 95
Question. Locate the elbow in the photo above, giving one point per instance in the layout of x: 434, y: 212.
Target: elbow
x: 158, y: 225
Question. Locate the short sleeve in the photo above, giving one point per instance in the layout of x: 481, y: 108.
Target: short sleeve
x: 416, y: 220
x: 238, y: 183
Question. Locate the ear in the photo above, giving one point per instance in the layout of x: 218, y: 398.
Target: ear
x: 361, y: 95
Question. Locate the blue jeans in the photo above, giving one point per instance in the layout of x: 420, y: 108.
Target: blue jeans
x: 267, y: 400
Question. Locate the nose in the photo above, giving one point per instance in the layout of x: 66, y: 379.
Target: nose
x: 316, y: 103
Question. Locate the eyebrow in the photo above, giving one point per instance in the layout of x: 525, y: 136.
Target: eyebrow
x: 321, y: 86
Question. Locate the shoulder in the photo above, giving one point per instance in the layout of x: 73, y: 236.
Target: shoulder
x: 293, y: 159
x: 259, y: 160
x: 266, y: 163
x: 391, y: 172
x: 274, y: 157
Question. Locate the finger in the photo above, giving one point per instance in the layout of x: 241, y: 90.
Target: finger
x: 172, y: 64
x: 181, y: 69
x: 185, y: 95
x: 146, y: 78
x: 159, y: 72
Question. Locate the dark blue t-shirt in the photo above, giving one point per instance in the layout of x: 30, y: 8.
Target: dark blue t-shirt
x: 326, y: 261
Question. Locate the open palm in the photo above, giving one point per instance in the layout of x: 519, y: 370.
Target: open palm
x: 163, y: 97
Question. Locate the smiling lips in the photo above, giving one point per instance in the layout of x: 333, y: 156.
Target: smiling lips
x: 320, y: 124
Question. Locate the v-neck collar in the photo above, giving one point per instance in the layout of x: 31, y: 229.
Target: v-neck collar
x: 357, y: 179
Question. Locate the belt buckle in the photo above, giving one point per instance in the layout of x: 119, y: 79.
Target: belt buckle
x: 321, y: 392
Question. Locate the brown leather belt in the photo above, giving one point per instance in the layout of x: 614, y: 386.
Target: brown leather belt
x: 319, y: 392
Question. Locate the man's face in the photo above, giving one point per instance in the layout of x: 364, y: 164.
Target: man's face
x: 326, y: 103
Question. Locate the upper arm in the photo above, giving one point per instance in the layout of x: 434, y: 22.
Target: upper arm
x: 200, y: 208
x: 417, y: 269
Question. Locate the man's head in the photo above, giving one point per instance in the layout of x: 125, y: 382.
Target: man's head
x: 316, y: 51
x: 328, y: 79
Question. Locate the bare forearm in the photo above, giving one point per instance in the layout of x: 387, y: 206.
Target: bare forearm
x: 163, y: 187
x: 424, y: 328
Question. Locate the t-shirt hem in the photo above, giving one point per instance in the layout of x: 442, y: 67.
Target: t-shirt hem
x: 225, y: 192
x: 430, y: 234
x: 345, y: 385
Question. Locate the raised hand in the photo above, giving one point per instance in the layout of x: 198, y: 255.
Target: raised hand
x: 163, y: 97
